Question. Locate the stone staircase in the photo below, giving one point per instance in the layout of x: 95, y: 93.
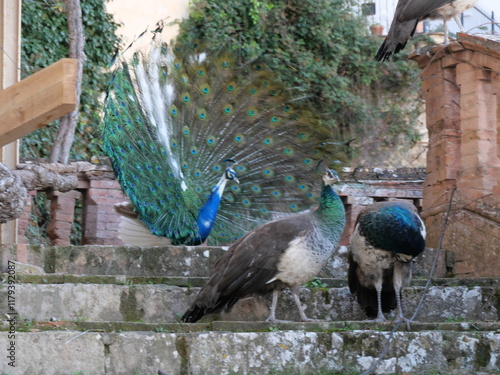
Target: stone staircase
x: 115, y: 310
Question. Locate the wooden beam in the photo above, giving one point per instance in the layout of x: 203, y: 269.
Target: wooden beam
x: 37, y: 100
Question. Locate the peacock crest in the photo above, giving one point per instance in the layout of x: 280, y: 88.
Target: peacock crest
x: 198, y: 137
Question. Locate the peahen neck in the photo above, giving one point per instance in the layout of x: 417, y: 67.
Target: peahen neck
x: 208, y: 212
x: 331, y: 212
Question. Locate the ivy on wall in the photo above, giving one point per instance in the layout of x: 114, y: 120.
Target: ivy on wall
x: 45, y: 41
x: 324, y: 47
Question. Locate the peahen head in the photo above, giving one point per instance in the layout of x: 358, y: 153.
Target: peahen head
x: 331, y: 177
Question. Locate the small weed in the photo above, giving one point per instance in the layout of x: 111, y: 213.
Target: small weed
x: 315, y: 283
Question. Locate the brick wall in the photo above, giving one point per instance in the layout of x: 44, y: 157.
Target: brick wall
x: 99, y: 191
x: 461, y: 87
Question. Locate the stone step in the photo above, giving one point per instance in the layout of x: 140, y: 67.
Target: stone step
x: 249, y: 348
x: 168, y: 261
x: 162, y: 303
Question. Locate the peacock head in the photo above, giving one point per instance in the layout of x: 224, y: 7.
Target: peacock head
x: 331, y: 177
x: 230, y: 173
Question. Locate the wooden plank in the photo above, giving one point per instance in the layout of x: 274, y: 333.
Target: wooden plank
x: 37, y: 100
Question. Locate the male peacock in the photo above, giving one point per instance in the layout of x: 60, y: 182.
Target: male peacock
x: 178, y: 118
x: 410, y: 12
x: 386, y: 239
x: 286, y: 252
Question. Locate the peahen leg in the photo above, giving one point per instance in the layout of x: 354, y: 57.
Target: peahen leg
x: 272, y: 314
x: 303, y: 316
x: 401, y: 271
x: 380, y: 314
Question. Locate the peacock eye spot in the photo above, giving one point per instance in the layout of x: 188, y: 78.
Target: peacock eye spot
x: 272, y: 92
x: 253, y: 91
x: 193, y: 152
x: 251, y: 113
x: 177, y: 65
x: 206, y: 90
x: 225, y: 64
x: 230, y: 87
x: 287, y: 108
x: 274, y: 119
x: 267, y: 141
x: 186, y: 98
x: 201, y: 72
x: 237, y: 138
x: 202, y: 115
x: 227, y: 110
x: 307, y: 161
x: 302, y: 187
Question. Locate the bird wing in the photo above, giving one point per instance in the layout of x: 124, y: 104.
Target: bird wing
x: 391, y: 226
x: 251, y: 262
x: 418, y: 10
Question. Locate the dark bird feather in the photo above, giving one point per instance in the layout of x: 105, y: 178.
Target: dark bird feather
x: 386, y: 238
x: 410, y: 12
x: 178, y: 119
x: 286, y: 252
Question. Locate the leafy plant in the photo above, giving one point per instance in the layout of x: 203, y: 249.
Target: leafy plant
x: 45, y: 41
x: 324, y: 48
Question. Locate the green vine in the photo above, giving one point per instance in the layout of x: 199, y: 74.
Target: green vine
x: 45, y: 41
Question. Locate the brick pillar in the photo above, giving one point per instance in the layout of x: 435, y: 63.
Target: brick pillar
x: 461, y: 90
x: 62, y: 211
x: 24, y: 220
x: 100, y: 219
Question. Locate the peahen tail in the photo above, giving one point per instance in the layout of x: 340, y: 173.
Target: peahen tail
x: 176, y: 115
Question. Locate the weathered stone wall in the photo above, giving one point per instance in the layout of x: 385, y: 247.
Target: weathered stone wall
x: 461, y: 87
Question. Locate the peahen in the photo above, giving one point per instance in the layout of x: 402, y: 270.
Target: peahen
x: 410, y: 12
x: 282, y: 253
x: 178, y: 119
x: 386, y: 238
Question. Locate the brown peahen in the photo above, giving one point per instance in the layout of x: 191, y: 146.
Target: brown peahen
x: 283, y: 253
x: 205, y: 142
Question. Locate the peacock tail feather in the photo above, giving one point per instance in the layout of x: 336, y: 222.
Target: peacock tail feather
x: 178, y: 117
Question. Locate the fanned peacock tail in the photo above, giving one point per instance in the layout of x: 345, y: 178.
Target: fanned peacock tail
x: 176, y: 119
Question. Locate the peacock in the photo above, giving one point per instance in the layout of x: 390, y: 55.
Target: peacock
x: 386, y: 239
x: 205, y: 142
x: 284, y: 253
x: 410, y: 12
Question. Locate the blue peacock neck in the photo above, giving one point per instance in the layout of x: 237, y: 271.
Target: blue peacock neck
x: 208, y: 212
